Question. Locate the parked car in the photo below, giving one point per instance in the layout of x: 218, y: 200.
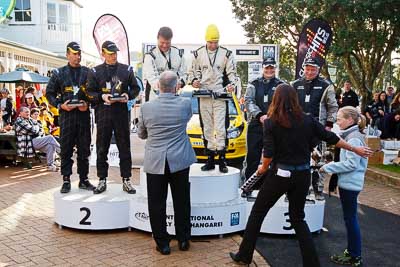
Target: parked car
x: 236, y: 133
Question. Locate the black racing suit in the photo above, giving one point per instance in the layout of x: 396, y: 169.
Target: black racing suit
x: 74, y: 124
x: 114, y: 117
x: 258, y: 97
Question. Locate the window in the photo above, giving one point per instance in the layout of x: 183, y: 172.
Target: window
x: 63, y: 10
x: 22, y: 11
x: 51, y: 16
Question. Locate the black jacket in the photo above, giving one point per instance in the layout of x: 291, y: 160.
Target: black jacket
x: 349, y: 98
x: 291, y: 146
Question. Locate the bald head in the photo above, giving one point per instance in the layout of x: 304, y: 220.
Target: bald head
x: 168, y: 81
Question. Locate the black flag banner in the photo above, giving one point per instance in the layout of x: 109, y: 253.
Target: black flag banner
x: 314, y: 42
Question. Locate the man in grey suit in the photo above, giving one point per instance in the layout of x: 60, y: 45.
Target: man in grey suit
x: 167, y: 159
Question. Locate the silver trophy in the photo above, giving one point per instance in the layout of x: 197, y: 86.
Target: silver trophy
x: 116, y: 91
x: 75, y: 102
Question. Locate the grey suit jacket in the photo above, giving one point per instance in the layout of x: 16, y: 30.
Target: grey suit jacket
x: 163, y: 122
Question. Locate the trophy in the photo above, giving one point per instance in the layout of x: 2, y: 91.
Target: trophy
x: 116, y: 92
x: 202, y: 93
x: 75, y: 102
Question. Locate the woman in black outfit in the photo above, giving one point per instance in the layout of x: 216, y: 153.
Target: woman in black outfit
x: 288, y: 135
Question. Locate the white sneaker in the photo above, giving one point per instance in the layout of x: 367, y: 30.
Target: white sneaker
x: 52, y: 168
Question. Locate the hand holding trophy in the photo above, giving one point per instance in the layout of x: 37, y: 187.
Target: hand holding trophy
x: 116, y: 93
x: 75, y: 102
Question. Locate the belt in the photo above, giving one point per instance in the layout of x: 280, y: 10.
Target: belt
x: 287, y: 167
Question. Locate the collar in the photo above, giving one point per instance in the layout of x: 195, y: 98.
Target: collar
x: 344, y: 133
x: 167, y: 95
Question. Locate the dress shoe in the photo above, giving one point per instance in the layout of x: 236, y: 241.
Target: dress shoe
x: 184, y: 245
x: 66, y: 187
x: 164, y: 250
x: 235, y: 257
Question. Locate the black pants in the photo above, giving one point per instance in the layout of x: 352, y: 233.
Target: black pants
x: 157, y: 189
x: 254, y: 151
x: 111, y: 120
x: 272, y: 189
x: 75, y: 130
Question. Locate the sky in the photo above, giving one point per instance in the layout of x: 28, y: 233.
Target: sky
x: 142, y: 19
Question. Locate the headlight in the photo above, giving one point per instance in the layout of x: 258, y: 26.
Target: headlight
x: 235, y: 132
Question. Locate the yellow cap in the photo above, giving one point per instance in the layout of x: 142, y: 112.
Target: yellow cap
x: 212, y: 33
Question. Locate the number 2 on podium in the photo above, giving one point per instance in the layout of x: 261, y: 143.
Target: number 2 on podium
x: 87, y: 215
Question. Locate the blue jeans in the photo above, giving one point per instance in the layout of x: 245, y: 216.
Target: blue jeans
x: 349, y: 206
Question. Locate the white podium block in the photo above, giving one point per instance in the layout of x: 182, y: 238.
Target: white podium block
x: 206, y: 219
x: 208, y: 186
x: 276, y: 221
x: 81, y: 209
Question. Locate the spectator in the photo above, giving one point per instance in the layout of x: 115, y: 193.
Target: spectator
x: 391, y: 121
x: 29, y: 101
x: 375, y: 111
x: 3, y: 126
x: 6, y: 106
x: 384, y: 101
x: 19, y: 94
x: 351, y: 171
x: 349, y: 97
x: 53, y: 110
x: 30, y: 137
x: 390, y: 94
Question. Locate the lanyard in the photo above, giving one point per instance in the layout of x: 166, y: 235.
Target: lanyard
x: 215, y: 57
x: 168, y: 60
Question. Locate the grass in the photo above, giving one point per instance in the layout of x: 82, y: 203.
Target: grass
x: 390, y: 168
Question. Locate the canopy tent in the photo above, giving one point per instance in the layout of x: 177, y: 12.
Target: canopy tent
x: 22, y: 75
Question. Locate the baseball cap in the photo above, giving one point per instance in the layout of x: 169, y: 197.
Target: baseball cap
x: 269, y: 61
x: 73, y: 47
x: 312, y: 62
x: 109, y: 47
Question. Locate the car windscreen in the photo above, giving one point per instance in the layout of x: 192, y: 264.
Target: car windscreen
x: 195, y: 106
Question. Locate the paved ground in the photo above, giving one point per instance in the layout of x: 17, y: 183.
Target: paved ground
x: 28, y: 235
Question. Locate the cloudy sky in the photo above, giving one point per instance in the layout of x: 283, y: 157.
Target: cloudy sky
x: 142, y: 19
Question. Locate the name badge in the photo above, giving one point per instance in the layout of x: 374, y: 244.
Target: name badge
x: 283, y: 173
x: 108, y: 85
x: 265, y: 98
x: 307, y: 99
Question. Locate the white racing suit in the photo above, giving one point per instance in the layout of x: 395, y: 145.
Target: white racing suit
x: 210, y: 67
x: 156, y: 62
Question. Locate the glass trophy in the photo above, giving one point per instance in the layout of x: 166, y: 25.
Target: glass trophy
x: 116, y: 92
x: 75, y: 102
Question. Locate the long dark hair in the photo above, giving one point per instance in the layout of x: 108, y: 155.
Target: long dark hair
x: 285, y: 107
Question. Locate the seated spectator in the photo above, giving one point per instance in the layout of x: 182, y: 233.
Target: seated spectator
x: 30, y: 137
x: 29, y: 101
x: 53, y: 110
x: 19, y: 95
x: 375, y: 111
x: 6, y: 106
x: 47, y: 119
x: 4, y: 127
x: 391, y: 121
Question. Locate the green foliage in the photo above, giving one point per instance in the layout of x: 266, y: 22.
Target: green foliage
x: 366, y: 32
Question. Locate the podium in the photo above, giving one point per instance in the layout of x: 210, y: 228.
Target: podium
x: 216, y: 207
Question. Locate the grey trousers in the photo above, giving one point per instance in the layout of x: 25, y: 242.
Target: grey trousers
x: 47, y: 144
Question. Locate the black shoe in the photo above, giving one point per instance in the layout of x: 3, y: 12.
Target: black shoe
x: 101, y: 187
x: 237, y: 259
x: 223, y: 166
x: 210, y: 164
x: 164, y: 250
x: 66, y: 187
x: 127, y: 186
x: 85, y: 184
x: 184, y: 245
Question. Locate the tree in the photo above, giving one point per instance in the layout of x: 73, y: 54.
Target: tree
x: 366, y: 32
